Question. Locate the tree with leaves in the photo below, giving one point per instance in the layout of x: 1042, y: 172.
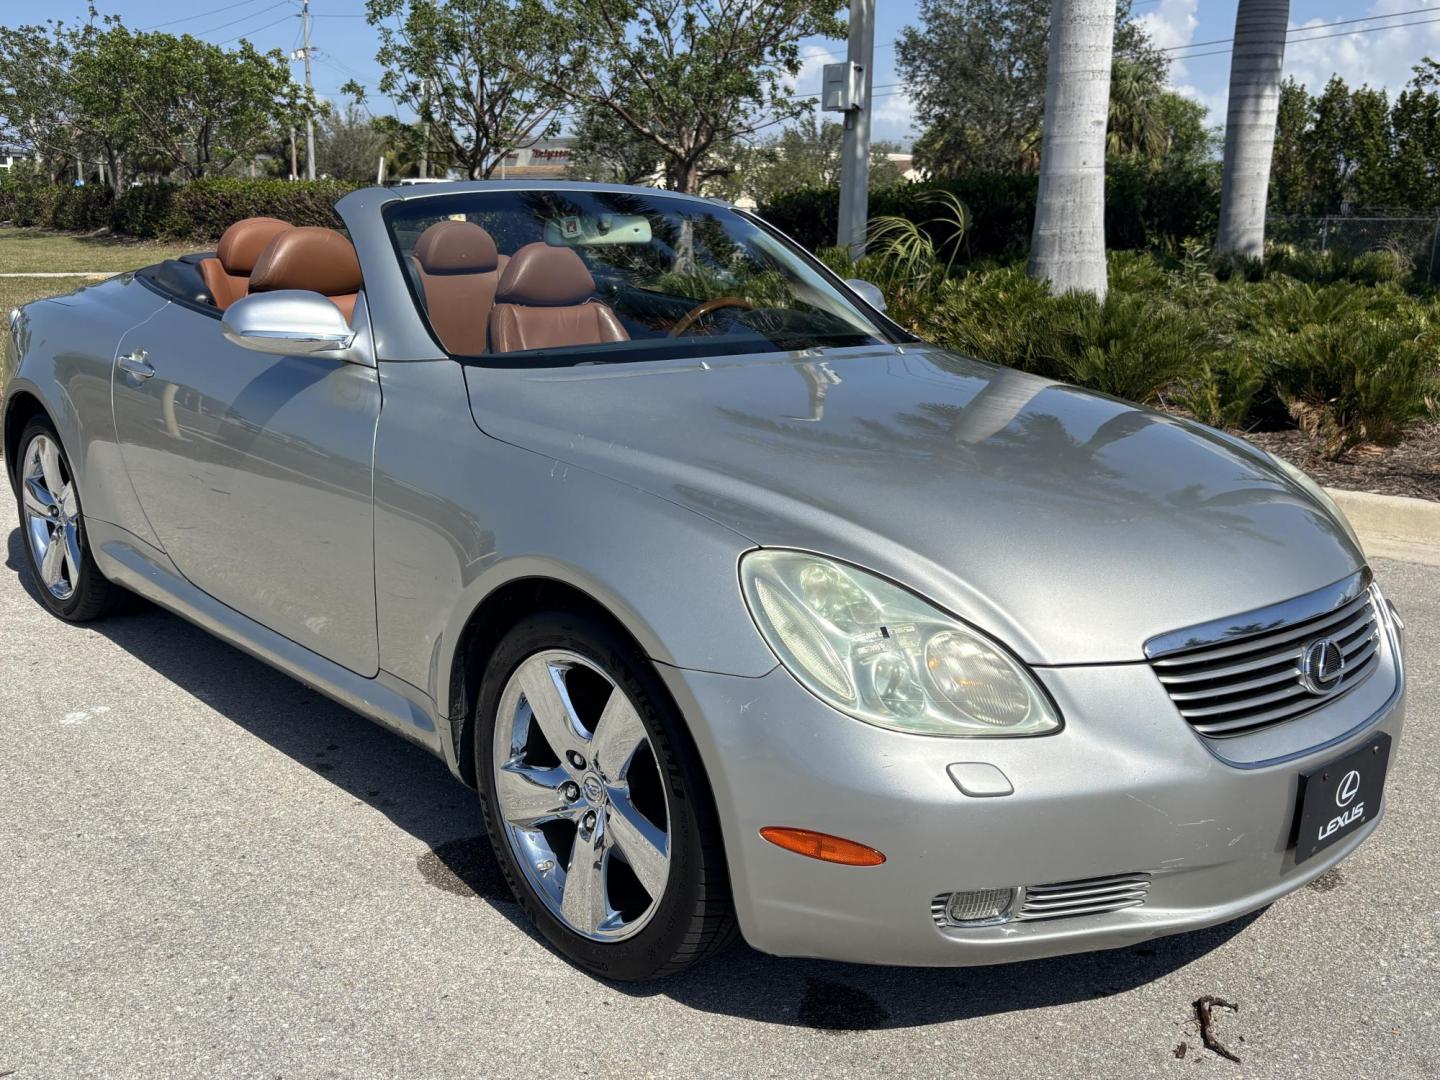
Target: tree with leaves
x: 608, y: 150
x: 806, y: 156
x: 171, y: 104
x: 977, y: 71
x: 1415, y: 128
x: 348, y: 146
x: 200, y: 108
x: 693, y: 78
x: 478, y: 72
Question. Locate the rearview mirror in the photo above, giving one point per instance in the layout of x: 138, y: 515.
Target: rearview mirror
x: 287, y: 322
x: 867, y: 291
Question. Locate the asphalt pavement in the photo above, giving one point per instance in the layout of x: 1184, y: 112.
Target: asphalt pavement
x: 207, y: 870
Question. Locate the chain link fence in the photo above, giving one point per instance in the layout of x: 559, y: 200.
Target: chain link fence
x: 1414, y: 239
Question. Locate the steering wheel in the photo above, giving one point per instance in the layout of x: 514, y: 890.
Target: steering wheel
x: 699, y: 311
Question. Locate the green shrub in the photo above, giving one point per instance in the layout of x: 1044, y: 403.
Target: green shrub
x: 1002, y: 209
x: 202, y: 210
x: 142, y: 211
x: 82, y: 209
x: 1360, y: 379
x: 198, y: 211
x: 1222, y: 390
x: 1134, y: 345
x: 1143, y: 209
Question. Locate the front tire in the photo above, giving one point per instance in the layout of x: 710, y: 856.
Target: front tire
x: 595, y: 803
x: 61, y: 565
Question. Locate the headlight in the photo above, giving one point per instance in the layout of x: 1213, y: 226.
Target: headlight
x: 870, y: 649
x: 1316, y: 492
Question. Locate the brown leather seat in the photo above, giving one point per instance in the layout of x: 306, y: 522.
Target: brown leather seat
x: 318, y: 260
x: 227, y: 275
x: 544, y: 301
x: 459, y: 269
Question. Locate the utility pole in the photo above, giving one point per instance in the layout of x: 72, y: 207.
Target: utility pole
x: 425, y: 134
x: 855, y: 153
x: 310, y: 91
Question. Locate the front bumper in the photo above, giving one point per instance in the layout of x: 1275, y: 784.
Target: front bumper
x: 1126, y: 787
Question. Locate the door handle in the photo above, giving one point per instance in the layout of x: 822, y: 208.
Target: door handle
x: 137, y: 364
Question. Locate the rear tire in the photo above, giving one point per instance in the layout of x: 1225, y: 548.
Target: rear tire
x: 59, y: 559
x: 610, y: 841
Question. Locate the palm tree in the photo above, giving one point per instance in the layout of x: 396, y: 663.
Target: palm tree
x: 1257, y: 58
x: 1068, y: 248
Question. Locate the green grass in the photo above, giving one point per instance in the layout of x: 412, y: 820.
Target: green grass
x: 37, y: 251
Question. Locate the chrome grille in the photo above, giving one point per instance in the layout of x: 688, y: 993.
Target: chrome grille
x: 1254, y: 680
x: 1092, y: 896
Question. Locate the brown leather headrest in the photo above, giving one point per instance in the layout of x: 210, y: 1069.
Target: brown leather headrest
x: 539, y: 275
x: 456, y: 247
x: 242, y: 243
x: 320, y: 260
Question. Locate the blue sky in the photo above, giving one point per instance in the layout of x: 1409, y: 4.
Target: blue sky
x: 345, y: 43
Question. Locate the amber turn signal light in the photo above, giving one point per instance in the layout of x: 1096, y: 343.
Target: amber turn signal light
x: 819, y: 845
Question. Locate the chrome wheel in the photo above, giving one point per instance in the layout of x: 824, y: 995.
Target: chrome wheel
x: 52, y: 516
x: 580, y: 795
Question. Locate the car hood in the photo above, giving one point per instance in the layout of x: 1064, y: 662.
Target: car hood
x: 1070, y: 525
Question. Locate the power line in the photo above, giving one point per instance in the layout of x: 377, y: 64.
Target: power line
x: 201, y: 15
x: 243, y: 18
x: 1321, y: 37
x: 1319, y: 26
x: 254, y: 30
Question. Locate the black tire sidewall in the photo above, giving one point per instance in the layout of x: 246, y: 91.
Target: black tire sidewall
x: 662, y: 942
x: 91, y: 592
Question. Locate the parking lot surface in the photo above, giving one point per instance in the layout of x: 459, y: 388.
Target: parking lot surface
x: 207, y: 870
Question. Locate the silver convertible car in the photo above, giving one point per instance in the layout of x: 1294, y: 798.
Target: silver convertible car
x: 743, y: 611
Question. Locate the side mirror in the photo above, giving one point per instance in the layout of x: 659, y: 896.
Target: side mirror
x: 287, y: 322
x: 867, y: 291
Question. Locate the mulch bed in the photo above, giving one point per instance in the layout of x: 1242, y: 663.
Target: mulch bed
x: 1411, y: 468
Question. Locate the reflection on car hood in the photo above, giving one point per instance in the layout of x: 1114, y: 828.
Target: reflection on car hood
x: 1070, y: 525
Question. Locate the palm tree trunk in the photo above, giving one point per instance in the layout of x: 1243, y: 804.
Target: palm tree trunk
x: 1255, y: 67
x: 1068, y: 247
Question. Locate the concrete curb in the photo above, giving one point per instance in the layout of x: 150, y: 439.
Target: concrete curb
x: 1392, y: 526
x: 63, y: 274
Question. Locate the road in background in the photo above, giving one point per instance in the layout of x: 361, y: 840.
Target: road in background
x: 207, y: 870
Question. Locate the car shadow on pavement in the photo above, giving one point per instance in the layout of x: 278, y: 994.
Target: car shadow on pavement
x: 410, y: 786
x: 837, y: 998
x: 416, y: 792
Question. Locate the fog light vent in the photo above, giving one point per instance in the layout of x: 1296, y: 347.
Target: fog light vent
x: 975, y: 908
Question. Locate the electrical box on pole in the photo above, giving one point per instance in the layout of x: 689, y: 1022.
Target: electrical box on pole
x: 842, y: 87
x: 846, y: 89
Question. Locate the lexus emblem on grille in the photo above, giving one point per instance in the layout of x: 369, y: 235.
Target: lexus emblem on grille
x: 1321, y: 666
x: 1348, y: 789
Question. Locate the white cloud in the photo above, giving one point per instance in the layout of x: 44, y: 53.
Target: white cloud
x: 893, y: 116
x: 806, y: 81
x: 1172, y: 25
x: 1214, y: 101
x: 1381, y: 58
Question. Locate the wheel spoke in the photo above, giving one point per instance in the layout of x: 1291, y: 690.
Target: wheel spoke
x: 38, y: 499
x: 71, y: 546
x: 53, y: 561
x: 529, y: 797
x: 551, y: 707
x: 65, y: 497
x: 50, y: 464
x: 645, y: 847
x: 583, y: 902
x: 618, y: 734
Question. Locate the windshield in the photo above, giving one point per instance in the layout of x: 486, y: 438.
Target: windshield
x: 564, y: 277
